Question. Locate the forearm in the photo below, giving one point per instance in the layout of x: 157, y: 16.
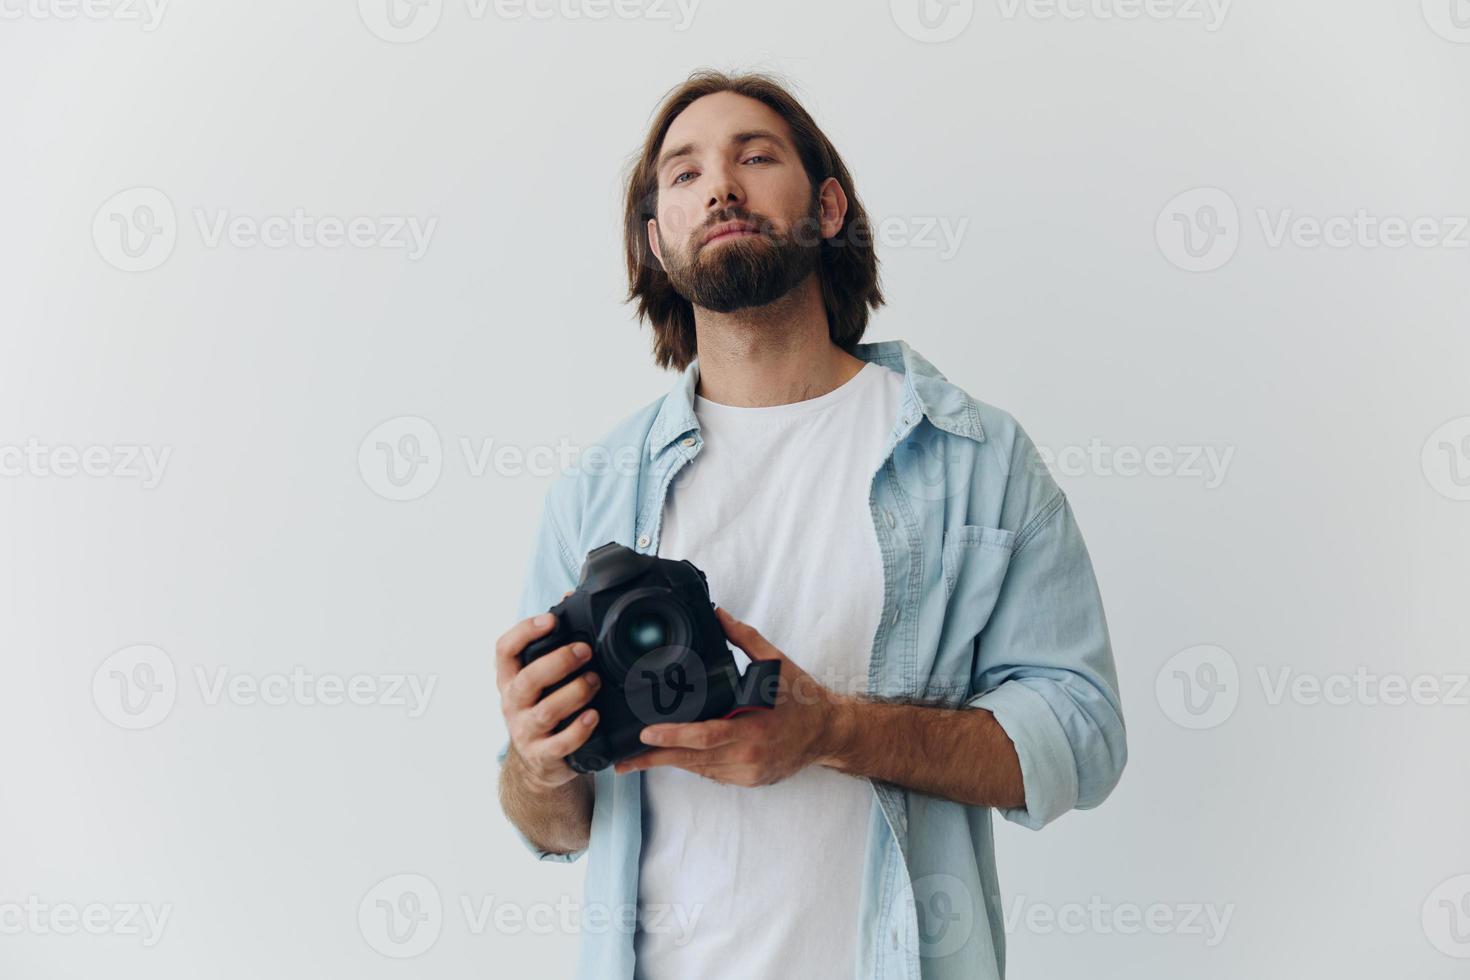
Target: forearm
x: 557, y: 819
x: 960, y: 754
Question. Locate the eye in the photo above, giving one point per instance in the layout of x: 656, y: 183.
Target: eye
x: 679, y: 178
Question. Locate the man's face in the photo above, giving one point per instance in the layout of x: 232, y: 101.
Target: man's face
x: 727, y: 158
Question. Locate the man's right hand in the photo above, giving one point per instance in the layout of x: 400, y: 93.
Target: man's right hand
x: 529, y: 718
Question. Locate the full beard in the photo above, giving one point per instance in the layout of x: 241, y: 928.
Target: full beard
x: 744, y: 272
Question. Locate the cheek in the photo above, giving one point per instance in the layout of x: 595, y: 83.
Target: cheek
x: 677, y: 220
x: 794, y: 219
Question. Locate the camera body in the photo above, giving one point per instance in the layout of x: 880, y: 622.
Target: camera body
x: 656, y: 645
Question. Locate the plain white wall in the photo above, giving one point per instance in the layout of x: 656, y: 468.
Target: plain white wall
x: 1259, y: 830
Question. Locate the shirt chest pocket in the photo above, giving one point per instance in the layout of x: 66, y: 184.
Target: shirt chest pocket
x: 974, y: 561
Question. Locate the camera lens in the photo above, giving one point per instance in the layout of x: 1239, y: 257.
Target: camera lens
x: 645, y: 623
x: 646, y: 631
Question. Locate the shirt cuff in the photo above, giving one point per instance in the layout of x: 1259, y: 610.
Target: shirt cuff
x: 1048, y: 767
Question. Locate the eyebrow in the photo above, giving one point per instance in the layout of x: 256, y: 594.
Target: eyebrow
x: 739, y: 139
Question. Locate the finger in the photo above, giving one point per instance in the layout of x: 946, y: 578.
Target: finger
x: 746, y: 637
x: 571, y: 738
x: 682, y: 758
x: 508, y: 648
x: 525, y: 689
x: 730, y: 775
x: 690, y: 735
x: 547, y: 713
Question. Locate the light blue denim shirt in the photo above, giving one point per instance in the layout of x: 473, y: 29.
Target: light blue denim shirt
x: 989, y: 601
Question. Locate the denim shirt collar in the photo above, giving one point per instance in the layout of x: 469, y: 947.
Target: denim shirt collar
x: 926, y: 390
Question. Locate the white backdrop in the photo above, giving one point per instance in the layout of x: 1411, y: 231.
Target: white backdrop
x: 1212, y: 255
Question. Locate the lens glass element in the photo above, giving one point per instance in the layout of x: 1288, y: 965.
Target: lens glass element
x: 646, y: 630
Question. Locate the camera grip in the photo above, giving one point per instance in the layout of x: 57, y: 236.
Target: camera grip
x: 757, y: 688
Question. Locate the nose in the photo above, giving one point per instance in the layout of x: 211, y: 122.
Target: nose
x: 724, y: 190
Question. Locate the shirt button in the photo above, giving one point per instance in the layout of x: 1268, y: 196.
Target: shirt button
x: 896, y: 611
x: 888, y: 516
x: 687, y: 441
x: 643, y: 541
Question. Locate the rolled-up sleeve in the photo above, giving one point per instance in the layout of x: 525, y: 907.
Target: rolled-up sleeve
x: 1044, y: 668
x: 550, y: 572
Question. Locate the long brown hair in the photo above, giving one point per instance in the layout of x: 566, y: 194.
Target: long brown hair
x: 849, y: 266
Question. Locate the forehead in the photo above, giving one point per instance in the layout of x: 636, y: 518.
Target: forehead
x: 713, y: 119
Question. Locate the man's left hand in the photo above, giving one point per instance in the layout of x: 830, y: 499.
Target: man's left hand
x: 755, y: 748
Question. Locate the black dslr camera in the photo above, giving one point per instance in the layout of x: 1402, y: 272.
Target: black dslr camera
x: 657, y: 647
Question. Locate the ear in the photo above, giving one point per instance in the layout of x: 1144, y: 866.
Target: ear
x: 832, y: 205
x: 652, y: 230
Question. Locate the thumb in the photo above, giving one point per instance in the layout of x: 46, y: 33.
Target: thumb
x: 747, y: 637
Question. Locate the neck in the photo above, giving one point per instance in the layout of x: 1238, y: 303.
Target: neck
x: 771, y: 355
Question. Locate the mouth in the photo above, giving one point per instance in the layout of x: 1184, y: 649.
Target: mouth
x: 731, y: 232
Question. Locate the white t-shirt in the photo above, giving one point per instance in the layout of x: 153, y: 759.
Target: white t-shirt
x: 775, y: 511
